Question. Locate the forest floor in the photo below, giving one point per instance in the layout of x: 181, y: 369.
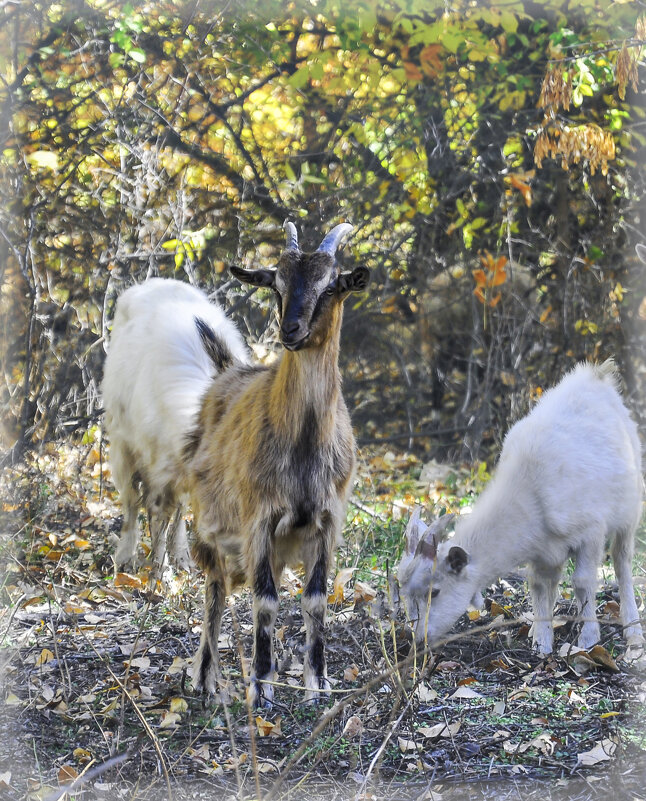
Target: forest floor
x: 96, y: 702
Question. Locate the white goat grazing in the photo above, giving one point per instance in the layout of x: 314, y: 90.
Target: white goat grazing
x: 568, y: 480
x: 265, y: 454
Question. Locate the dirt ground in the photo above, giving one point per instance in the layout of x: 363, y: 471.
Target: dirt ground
x: 97, y: 702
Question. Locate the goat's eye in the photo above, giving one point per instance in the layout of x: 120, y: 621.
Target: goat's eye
x: 435, y: 592
x: 330, y: 290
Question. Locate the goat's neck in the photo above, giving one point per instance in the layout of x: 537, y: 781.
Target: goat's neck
x: 307, y: 382
x: 498, y: 533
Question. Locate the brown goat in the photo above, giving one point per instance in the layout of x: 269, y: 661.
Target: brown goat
x: 271, y: 463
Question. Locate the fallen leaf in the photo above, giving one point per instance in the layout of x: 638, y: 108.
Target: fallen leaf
x: 268, y: 729
x: 448, y: 665
x: 67, y: 774
x: 12, y: 700
x: 341, y: 579
x: 439, y: 730
x: 425, y: 693
x: 81, y: 755
x: 169, y: 720
x: 44, y: 657
x: 350, y: 673
x: 5, y: 779
x: 140, y: 663
x: 407, y: 746
x: 363, y: 592
x: 126, y: 580
x: 178, y: 665
x: 601, y: 656
x: 602, y: 751
x: 353, y: 726
x: 178, y: 705
x: 465, y: 692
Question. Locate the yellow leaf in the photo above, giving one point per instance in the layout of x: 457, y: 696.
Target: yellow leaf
x: 44, y: 657
x: 268, y: 729
x: 169, y: 720
x: 44, y: 158
x: 81, y: 755
x: 342, y: 578
x: 12, y: 700
x: 178, y: 705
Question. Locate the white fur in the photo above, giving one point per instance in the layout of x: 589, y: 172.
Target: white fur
x: 156, y: 373
x: 568, y: 481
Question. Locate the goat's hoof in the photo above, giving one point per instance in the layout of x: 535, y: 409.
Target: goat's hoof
x: 260, y: 694
x: 318, y: 692
x: 635, y: 649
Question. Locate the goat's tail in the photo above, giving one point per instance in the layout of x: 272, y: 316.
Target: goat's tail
x: 216, y: 348
x: 607, y: 371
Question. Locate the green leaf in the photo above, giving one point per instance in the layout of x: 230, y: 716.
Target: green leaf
x: 138, y: 55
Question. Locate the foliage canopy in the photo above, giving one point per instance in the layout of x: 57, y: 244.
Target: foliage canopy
x: 489, y: 156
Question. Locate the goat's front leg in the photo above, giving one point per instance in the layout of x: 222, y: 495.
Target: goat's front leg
x: 265, y: 607
x: 543, y: 586
x: 314, y: 605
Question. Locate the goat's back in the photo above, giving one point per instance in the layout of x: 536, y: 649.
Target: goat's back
x: 157, y: 368
x: 577, y: 453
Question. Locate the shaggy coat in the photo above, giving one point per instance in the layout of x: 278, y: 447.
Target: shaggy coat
x: 568, y: 481
x: 266, y: 454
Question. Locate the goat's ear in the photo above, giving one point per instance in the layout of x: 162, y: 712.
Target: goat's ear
x: 457, y: 559
x: 254, y: 277
x: 432, y: 536
x: 641, y: 252
x: 356, y: 281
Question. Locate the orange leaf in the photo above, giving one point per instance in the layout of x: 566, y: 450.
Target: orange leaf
x: 499, y: 277
x: 480, y: 277
x: 430, y: 59
x: 126, y: 580
x: 67, y: 774
x: 413, y: 72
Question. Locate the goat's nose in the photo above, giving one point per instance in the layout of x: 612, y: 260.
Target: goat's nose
x: 289, y: 327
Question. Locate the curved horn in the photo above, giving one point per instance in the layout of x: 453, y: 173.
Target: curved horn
x: 292, y: 236
x: 332, y: 240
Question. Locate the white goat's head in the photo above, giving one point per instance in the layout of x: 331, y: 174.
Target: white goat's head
x: 433, y: 581
x: 309, y: 287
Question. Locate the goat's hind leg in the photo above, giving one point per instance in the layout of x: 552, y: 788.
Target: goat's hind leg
x: 127, y: 481
x: 206, y: 673
x: 177, y: 542
x: 622, y: 556
x: 585, y: 582
x: 314, y: 604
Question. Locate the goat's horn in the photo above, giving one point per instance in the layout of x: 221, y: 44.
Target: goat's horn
x: 332, y: 240
x: 292, y: 235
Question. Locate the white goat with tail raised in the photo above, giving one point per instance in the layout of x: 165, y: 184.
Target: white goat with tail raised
x: 568, y: 481
x: 266, y: 455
